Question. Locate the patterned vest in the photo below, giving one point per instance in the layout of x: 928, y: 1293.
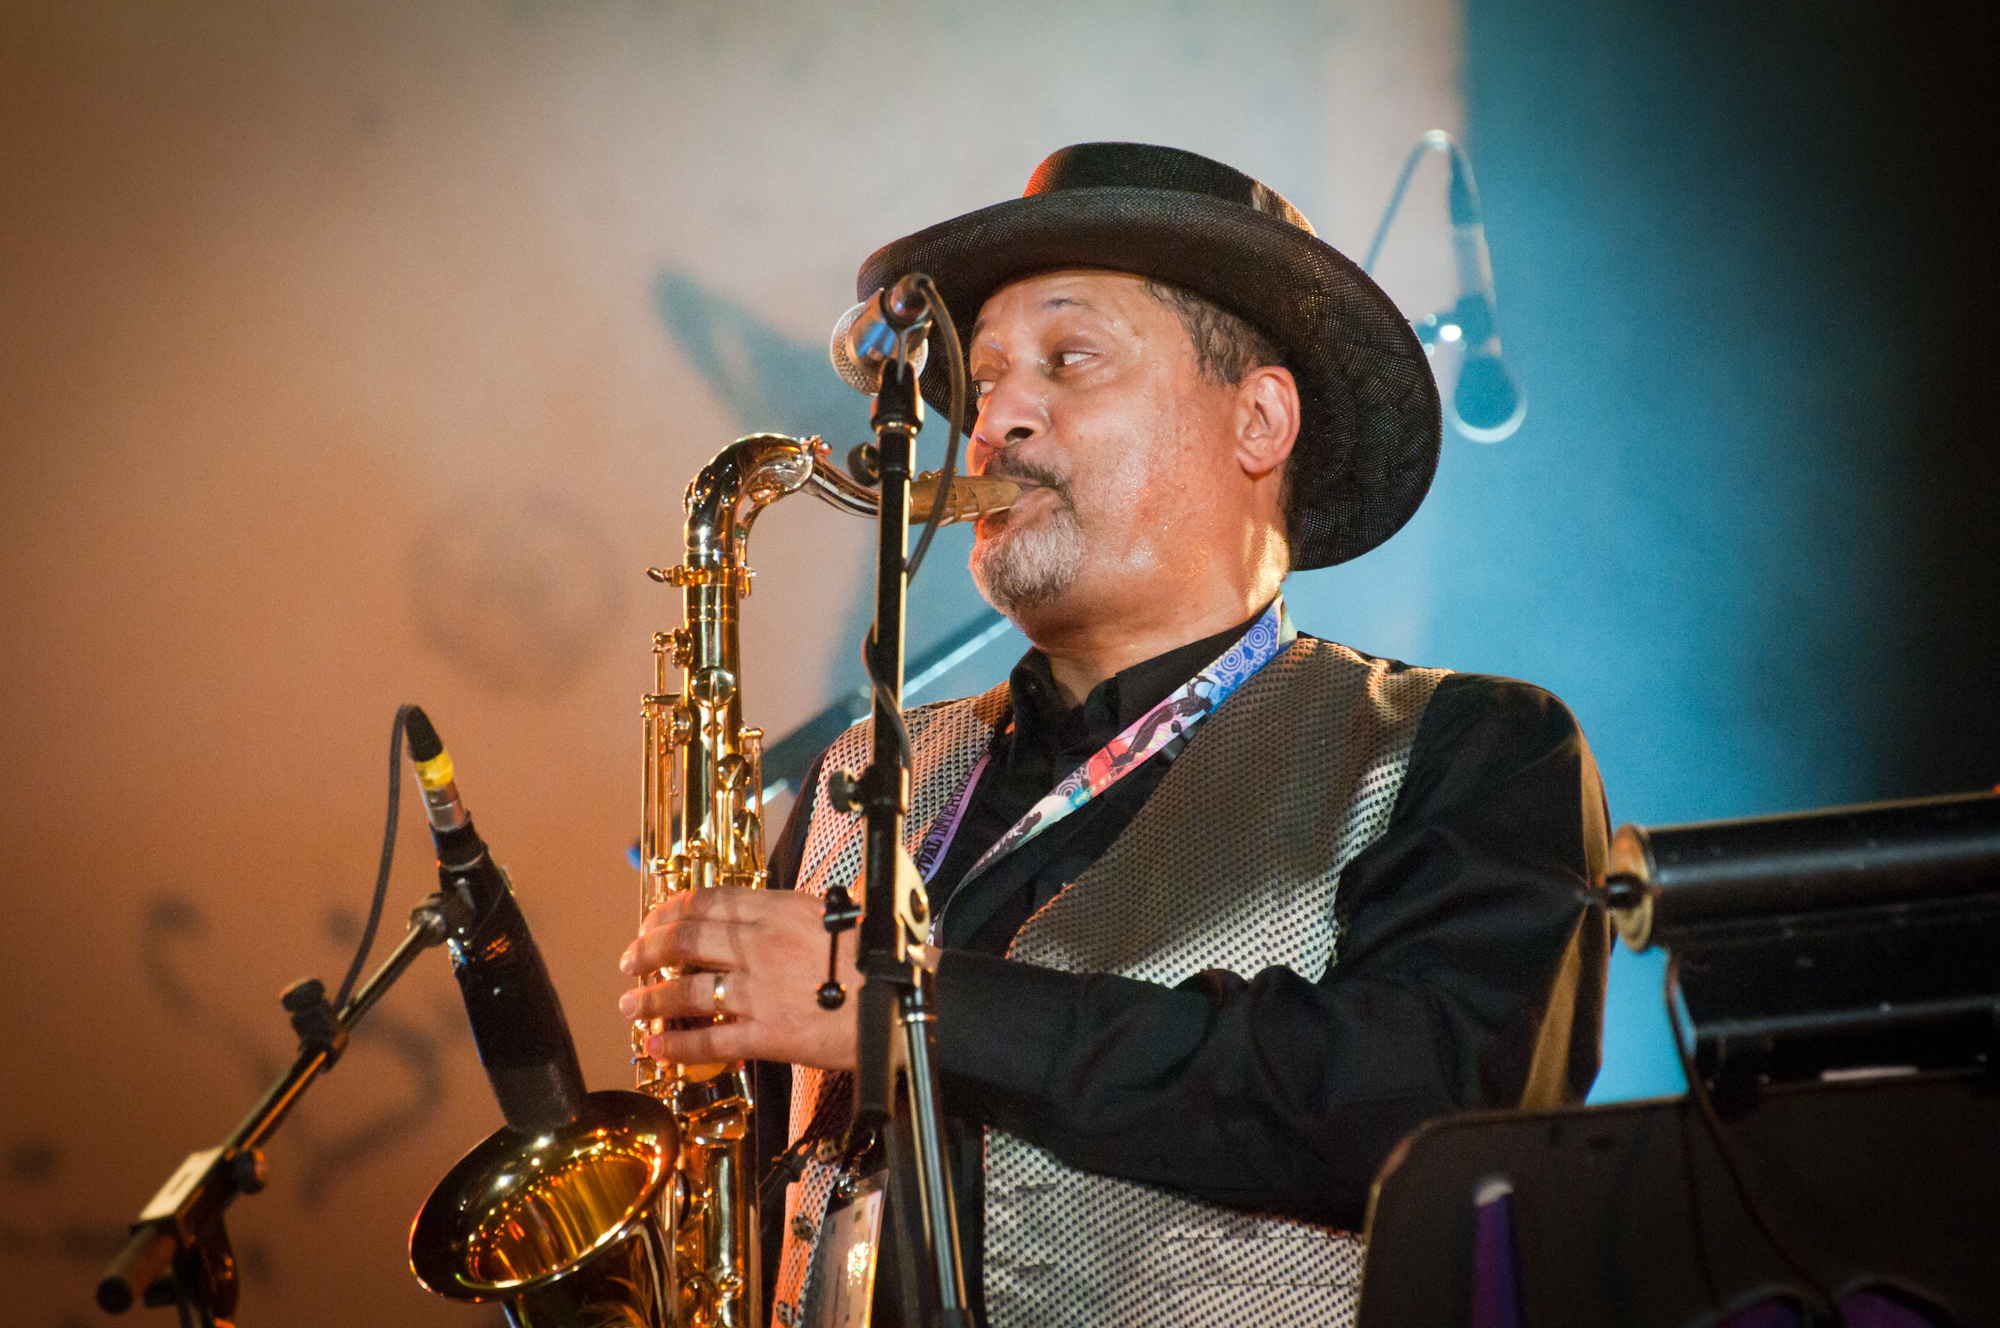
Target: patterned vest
x: 1232, y: 863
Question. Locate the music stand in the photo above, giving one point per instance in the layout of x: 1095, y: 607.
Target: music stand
x: 1624, y: 1214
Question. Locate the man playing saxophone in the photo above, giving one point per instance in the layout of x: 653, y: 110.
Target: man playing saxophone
x: 1221, y: 911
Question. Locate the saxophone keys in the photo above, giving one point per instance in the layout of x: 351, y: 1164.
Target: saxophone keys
x: 749, y: 834
x: 712, y: 688
x: 733, y: 578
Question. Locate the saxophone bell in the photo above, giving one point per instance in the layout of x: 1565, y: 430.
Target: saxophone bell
x: 567, y: 1228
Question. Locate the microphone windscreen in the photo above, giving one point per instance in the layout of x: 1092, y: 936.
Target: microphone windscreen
x: 1487, y: 405
x: 841, y: 352
x: 865, y: 374
x: 424, y: 741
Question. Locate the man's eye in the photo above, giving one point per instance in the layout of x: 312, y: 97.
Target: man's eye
x: 1069, y: 359
x: 980, y: 387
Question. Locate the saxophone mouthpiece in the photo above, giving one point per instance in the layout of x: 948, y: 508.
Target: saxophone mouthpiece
x: 969, y: 498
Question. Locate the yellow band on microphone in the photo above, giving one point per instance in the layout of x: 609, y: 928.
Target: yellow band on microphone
x: 435, y: 773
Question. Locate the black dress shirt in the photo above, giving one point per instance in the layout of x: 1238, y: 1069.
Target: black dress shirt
x: 1278, y: 1092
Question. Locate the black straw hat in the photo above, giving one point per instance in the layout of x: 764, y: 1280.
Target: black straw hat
x: 1370, y: 428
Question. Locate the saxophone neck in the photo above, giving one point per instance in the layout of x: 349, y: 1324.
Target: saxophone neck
x: 745, y: 477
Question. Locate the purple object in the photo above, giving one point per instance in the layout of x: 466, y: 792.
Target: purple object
x: 1496, y: 1297
x: 1869, y: 1309
x: 1777, y: 1312
x: 1858, y: 1309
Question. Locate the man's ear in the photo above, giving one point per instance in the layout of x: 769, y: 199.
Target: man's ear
x: 1267, y: 419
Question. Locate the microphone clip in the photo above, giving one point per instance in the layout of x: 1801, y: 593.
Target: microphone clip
x: 313, y: 1019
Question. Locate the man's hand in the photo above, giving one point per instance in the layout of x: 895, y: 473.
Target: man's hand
x: 768, y: 950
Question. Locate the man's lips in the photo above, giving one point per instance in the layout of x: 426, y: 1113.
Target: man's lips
x: 1030, y: 492
x: 1031, y: 483
x: 1032, y: 480
x: 1035, y: 498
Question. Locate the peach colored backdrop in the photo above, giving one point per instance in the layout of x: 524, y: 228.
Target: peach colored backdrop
x: 357, y: 353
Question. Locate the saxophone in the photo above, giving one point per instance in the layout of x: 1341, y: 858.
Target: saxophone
x: 642, y: 1211
x: 702, y: 826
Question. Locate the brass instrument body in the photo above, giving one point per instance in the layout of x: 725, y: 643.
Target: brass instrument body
x: 643, y: 1210
x: 702, y: 825
x: 702, y: 828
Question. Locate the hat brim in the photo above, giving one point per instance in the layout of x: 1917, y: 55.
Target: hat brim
x: 1370, y: 426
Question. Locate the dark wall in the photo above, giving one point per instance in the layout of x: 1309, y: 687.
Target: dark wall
x: 1745, y: 264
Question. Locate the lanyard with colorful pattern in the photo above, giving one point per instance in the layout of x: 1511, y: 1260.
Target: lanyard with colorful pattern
x: 1168, y: 722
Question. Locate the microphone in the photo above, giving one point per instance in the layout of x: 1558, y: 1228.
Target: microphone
x: 517, y: 1020
x: 893, y: 323
x: 1487, y: 405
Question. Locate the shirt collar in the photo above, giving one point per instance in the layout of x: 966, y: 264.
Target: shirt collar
x: 1041, y: 719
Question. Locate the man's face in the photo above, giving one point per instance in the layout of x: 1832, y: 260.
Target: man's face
x: 1092, y: 399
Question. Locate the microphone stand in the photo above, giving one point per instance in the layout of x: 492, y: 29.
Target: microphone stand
x: 179, y: 1252
x: 895, y: 996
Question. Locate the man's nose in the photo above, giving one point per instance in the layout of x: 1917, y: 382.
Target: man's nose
x: 1010, y: 415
